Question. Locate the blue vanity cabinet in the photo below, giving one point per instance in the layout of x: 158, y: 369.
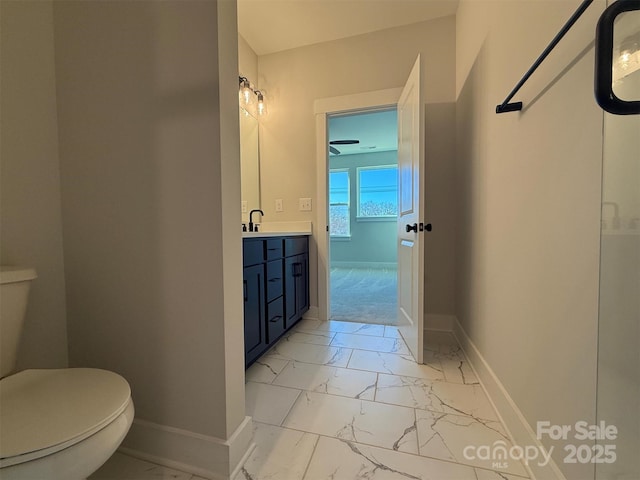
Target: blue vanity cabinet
x: 276, y: 289
x: 296, y: 266
x: 254, y: 300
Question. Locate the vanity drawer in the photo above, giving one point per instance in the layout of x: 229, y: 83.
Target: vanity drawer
x: 275, y: 319
x: 274, y: 248
x: 252, y: 252
x: 274, y: 280
x: 295, y: 246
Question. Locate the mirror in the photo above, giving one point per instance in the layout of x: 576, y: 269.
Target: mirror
x: 249, y: 163
x: 626, y: 56
x: 617, y: 63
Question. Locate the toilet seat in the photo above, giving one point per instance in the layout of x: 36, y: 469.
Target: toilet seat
x: 45, y: 411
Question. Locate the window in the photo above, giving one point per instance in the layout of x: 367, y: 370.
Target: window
x: 378, y: 192
x: 339, y: 222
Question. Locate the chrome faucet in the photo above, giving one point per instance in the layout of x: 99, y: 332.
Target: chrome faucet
x: 251, y: 224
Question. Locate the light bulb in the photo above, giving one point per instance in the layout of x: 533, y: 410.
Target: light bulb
x: 262, y: 108
x: 245, y: 92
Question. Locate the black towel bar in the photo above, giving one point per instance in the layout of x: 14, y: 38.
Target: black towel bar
x: 515, y: 106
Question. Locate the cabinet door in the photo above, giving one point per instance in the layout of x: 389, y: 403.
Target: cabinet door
x: 275, y: 320
x: 296, y: 287
x: 302, y: 284
x: 254, y: 312
x: 290, y: 291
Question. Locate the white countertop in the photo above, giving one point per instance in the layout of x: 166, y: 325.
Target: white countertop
x: 273, y: 234
x: 280, y: 229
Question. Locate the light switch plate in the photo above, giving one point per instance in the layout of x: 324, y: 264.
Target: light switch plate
x: 305, y: 204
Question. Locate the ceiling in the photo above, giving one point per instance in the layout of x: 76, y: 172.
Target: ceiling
x: 377, y: 131
x: 274, y: 25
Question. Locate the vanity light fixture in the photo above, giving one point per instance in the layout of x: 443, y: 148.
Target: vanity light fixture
x: 262, y: 107
x: 247, y: 93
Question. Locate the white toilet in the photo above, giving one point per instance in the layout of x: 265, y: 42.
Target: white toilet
x: 54, y: 424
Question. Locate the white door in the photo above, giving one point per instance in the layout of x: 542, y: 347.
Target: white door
x: 411, y: 201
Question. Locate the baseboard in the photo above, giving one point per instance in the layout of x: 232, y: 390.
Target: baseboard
x: 517, y: 426
x: 312, y: 314
x: 202, y: 455
x: 373, y: 265
x: 441, y: 322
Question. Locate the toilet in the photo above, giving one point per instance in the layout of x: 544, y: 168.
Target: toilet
x: 54, y: 423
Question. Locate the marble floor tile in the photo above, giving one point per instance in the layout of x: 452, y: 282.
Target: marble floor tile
x: 307, y: 325
x: 388, y: 426
x: 317, y: 338
x: 447, y: 437
x: 265, y: 369
x: 439, y: 341
x: 268, y: 403
x: 431, y: 358
x: 368, y: 342
x: 494, y: 475
x: 351, y: 327
x: 280, y: 453
x: 124, y: 467
x: 454, y: 362
x: 310, y: 353
x: 393, y: 364
x: 336, y: 459
x: 437, y: 396
x: 392, y: 332
x: 456, y: 369
x: 331, y: 380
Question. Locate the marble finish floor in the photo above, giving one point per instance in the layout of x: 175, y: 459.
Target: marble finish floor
x: 124, y: 467
x: 345, y: 401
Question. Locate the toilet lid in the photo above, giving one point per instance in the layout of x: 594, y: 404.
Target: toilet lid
x: 41, y: 410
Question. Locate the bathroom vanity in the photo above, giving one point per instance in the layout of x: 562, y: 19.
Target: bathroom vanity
x: 276, y: 288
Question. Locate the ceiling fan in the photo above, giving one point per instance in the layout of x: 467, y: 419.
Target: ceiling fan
x: 334, y: 150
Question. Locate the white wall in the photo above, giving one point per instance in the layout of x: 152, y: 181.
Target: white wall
x: 292, y: 80
x: 149, y: 153
x: 529, y: 188
x: 30, y: 224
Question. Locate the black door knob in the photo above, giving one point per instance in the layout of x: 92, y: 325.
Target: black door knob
x: 413, y: 227
x: 428, y: 227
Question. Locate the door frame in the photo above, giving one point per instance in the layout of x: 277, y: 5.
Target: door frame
x: 322, y: 108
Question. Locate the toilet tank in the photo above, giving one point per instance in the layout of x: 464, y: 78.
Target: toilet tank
x: 14, y: 292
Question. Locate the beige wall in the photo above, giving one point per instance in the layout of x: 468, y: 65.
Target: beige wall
x: 30, y: 176
x: 529, y: 188
x: 151, y: 195
x: 247, y: 60
x: 294, y: 79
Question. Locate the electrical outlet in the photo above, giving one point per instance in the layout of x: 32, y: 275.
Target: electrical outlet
x: 279, y: 205
x: 305, y: 204
x: 244, y: 206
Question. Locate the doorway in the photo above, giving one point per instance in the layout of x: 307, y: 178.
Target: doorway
x: 362, y: 197
x: 408, y: 101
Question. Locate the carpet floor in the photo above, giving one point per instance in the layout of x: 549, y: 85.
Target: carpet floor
x: 364, y: 295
